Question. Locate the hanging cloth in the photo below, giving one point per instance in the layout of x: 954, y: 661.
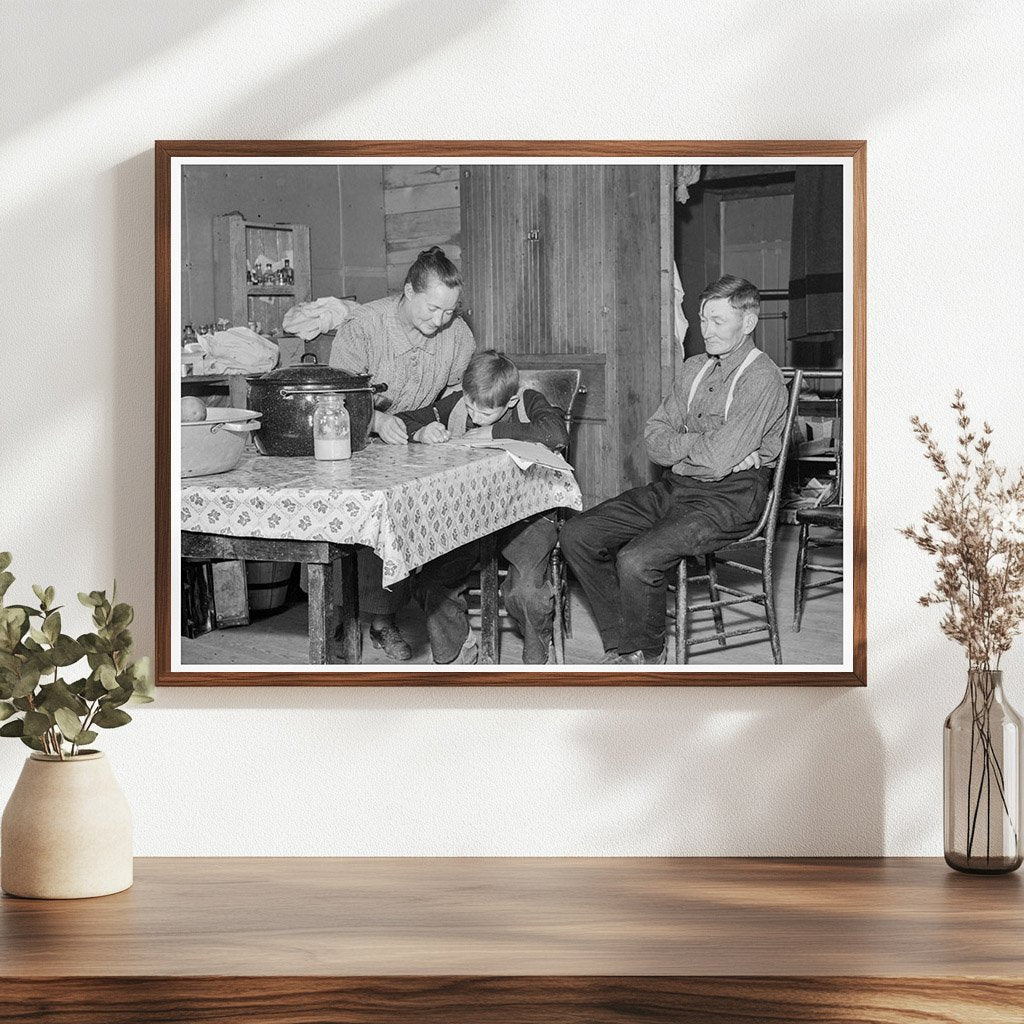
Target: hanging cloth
x: 682, y: 325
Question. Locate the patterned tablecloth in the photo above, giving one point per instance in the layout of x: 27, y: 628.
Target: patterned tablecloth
x: 410, y: 503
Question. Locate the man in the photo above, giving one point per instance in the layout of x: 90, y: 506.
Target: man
x: 720, y: 431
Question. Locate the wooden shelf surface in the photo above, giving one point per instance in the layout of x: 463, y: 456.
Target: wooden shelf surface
x: 459, y: 939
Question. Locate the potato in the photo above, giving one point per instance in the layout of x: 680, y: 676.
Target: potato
x: 193, y: 410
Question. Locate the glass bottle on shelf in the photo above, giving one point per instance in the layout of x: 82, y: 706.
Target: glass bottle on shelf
x: 288, y: 274
x: 332, y: 430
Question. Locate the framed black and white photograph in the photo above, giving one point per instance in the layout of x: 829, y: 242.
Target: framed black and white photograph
x: 491, y: 413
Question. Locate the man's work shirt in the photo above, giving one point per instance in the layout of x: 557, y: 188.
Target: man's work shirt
x: 697, y: 439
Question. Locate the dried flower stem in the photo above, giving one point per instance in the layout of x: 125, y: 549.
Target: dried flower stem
x: 975, y: 530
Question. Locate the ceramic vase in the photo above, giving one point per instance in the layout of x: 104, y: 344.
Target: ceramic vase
x: 66, y: 830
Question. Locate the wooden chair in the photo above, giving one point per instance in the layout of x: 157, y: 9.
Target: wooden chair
x: 560, y: 387
x: 762, y: 536
x: 827, y: 516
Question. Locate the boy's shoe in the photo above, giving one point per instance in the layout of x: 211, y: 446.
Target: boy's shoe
x: 469, y: 655
x: 393, y: 643
x: 639, y: 658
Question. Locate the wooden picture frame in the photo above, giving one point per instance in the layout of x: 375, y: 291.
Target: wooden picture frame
x: 645, y: 193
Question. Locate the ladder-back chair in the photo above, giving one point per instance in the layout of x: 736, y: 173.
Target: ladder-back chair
x: 761, y: 536
x: 560, y: 387
x: 827, y: 516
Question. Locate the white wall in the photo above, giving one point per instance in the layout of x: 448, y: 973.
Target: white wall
x: 935, y: 88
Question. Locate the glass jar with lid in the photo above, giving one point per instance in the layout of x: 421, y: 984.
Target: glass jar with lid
x: 332, y: 429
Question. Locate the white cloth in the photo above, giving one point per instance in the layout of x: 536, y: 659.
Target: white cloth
x: 682, y: 324
x: 310, y: 319
x: 686, y: 174
x: 238, y: 350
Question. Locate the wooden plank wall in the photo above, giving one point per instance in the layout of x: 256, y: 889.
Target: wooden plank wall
x: 562, y: 269
x: 421, y: 209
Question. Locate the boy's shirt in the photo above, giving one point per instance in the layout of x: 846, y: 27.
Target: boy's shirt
x: 532, y: 418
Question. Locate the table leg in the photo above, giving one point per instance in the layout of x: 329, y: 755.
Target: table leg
x: 349, y: 628
x: 488, y: 601
x: 321, y: 608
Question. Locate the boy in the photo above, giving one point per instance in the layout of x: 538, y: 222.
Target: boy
x: 491, y: 404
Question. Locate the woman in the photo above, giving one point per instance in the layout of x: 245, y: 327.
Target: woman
x: 417, y: 344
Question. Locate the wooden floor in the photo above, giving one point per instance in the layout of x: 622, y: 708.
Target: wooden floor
x: 280, y: 637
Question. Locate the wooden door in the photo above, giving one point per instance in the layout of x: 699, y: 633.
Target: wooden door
x: 562, y: 268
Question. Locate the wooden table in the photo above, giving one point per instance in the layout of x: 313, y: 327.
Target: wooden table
x: 499, y: 941
x: 409, y: 503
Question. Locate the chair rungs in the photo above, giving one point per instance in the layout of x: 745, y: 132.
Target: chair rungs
x: 713, y: 638
x: 823, y: 583
x: 752, y: 569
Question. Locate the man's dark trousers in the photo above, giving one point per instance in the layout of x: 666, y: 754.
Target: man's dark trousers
x: 623, y: 550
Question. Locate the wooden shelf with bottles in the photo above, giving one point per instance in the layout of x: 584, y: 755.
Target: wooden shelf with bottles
x: 260, y: 270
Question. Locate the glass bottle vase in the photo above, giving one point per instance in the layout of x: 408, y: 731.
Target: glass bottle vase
x: 981, y: 747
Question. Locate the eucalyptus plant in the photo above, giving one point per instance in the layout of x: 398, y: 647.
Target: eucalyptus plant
x: 46, y: 712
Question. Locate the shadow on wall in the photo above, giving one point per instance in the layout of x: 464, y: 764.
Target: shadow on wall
x: 93, y: 41
x: 709, y: 771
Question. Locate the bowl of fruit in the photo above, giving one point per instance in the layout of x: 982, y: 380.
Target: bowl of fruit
x: 213, y: 438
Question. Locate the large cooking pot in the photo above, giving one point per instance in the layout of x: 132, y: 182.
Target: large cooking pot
x: 287, y: 400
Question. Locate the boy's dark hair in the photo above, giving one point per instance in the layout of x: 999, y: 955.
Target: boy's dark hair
x: 491, y: 379
x: 433, y: 263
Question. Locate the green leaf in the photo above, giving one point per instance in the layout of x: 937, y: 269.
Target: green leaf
x: 49, y: 595
x: 122, y: 616
x: 15, y: 728
x: 142, y: 680
x: 107, y: 676
x: 95, y: 645
x: 51, y: 626
x: 27, y: 681
x: 110, y: 718
x: 28, y: 610
x: 36, y: 723
x: 39, y: 636
x: 5, y: 560
x: 115, y: 698
x: 9, y: 663
x: 6, y: 579
x: 69, y: 724
x: 13, y: 626
x: 40, y: 593
x: 94, y: 689
x: 67, y: 651
x: 6, y: 710
x: 31, y: 741
x: 89, y: 600
x: 58, y: 695
x: 86, y: 736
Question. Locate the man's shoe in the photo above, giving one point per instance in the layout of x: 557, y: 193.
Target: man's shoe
x: 392, y: 642
x: 639, y: 658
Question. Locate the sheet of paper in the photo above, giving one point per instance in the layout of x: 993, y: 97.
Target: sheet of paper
x: 524, y: 453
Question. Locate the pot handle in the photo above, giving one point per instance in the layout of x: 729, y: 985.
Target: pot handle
x: 378, y: 388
